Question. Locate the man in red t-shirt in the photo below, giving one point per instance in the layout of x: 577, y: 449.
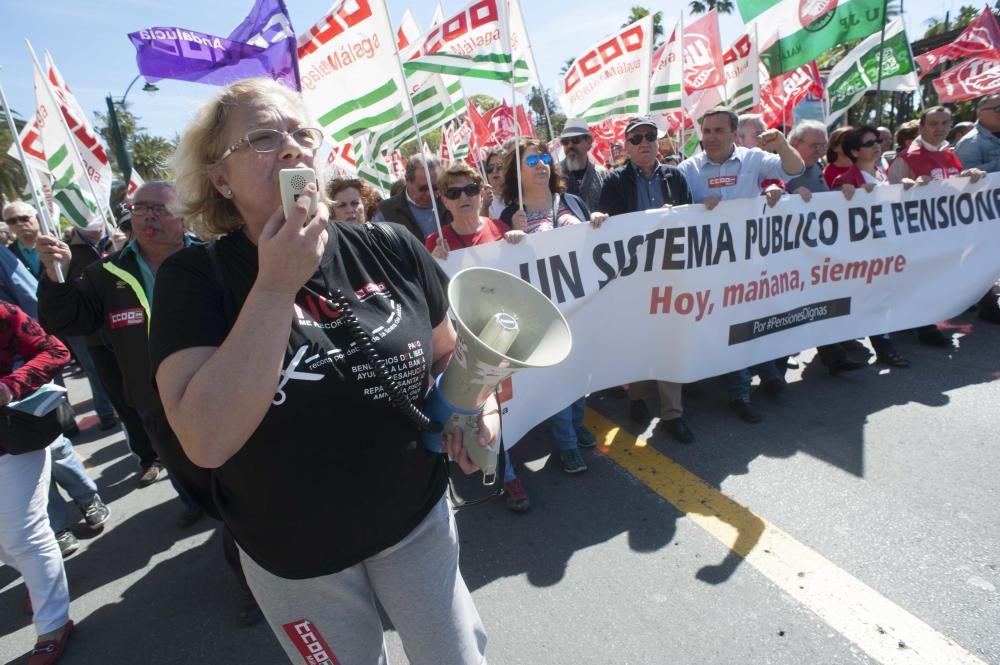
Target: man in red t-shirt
x: 930, y: 157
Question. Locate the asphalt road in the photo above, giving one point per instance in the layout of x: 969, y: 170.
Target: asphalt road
x: 858, y: 523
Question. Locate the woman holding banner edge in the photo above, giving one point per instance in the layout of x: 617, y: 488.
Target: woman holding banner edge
x: 330, y: 498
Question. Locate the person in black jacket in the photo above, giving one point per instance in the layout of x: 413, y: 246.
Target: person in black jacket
x: 643, y: 183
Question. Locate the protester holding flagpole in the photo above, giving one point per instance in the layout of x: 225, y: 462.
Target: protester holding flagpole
x: 333, y: 504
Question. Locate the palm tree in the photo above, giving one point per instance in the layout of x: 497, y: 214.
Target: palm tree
x: 12, y: 181
x: 936, y: 26
x: 721, y: 6
x: 637, y: 12
x: 150, y: 156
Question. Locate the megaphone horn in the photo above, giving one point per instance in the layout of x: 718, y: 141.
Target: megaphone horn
x: 504, y: 324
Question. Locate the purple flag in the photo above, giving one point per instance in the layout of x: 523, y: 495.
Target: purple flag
x: 262, y: 45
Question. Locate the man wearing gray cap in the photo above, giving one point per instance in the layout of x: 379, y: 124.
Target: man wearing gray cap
x: 583, y: 177
x: 643, y: 183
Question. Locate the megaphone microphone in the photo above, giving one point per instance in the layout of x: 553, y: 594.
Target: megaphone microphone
x: 504, y: 324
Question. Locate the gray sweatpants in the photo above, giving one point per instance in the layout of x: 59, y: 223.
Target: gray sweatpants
x: 333, y: 619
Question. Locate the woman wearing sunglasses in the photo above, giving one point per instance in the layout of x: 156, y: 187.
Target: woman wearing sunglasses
x: 335, y: 507
x: 493, y: 203
x: 461, y: 191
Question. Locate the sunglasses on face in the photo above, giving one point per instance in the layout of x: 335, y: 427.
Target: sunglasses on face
x: 543, y: 157
x: 269, y: 140
x: 869, y: 144
x: 575, y: 140
x: 496, y: 168
x: 146, y: 209
x: 637, y: 139
x: 18, y: 219
x: 470, y: 190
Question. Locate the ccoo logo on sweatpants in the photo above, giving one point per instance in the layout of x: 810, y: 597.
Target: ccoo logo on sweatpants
x: 311, y: 645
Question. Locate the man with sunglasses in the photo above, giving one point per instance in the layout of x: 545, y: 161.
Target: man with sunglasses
x: 413, y: 207
x: 980, y: 149
x: 643, y: 183
x: 23, y: 222
x: 112, y: 295
x: 583, y: 177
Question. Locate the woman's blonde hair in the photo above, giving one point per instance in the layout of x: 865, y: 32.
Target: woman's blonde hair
x: 455, y: 171
x: 197, y: 156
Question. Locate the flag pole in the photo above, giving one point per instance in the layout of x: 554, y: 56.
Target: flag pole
x: 684, y: 109
x: 104, y: 212
x: 47, y: 227
x: 881, y: 55
x: 534, y: 65
x: 513, y: 112
x: 416, y: 124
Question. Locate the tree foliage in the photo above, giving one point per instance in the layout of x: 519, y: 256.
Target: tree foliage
x: 638, y: 12
x: 12, y: 181
x: 938, y: 25
x: 150, y: 154
x: 721, y: 6
x: 484, y: 102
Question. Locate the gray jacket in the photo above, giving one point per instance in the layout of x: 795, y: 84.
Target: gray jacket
x: 979, y: 149
x: 590, y: 188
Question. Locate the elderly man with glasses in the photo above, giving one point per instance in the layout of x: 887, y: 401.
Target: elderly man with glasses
x: 583, y: 177
x: 22, y: 220
x: 413, y: 207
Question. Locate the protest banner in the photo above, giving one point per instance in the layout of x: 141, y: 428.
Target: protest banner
x: 683, y: 294
x: 262, y: 45
x: 611, y: 78
x: 858, y: 71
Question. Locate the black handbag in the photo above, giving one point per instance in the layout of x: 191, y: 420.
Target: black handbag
x: 24, y: 433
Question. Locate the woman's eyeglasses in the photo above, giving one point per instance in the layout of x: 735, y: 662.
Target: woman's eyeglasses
x: 637, y: 139
x: 470, y: 190
x: 269, y: 140
x: 543, y: 157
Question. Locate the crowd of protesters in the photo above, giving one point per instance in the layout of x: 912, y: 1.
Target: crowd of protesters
x: 91, y: 296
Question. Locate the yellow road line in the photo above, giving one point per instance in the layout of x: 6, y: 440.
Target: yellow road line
x: 884, y: 630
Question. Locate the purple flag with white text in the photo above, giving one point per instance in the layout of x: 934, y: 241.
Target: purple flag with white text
x: 263, y: 44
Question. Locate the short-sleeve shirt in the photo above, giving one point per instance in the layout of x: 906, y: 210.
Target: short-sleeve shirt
x: 739, y: 177
x: 489, y: 231
x: 334, y: 473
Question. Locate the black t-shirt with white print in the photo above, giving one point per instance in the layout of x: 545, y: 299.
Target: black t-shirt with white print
x: 334, y: 473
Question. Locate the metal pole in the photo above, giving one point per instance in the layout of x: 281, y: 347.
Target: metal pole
x: 416, y: 126
x: 47, y: 227
x: 881, y: 55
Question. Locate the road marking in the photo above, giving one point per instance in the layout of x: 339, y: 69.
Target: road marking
x: 884, y: 630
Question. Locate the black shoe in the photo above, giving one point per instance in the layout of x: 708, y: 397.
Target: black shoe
x: 744, y: 409
x: 932, y: 336
x: 189, y: 517
x: 95, y: 513
x: 677, y: 428
x: 107, y: 422
x: 774, y: 387
x: 845, y: 365
x: 250, y: 613
x: 892, y: 359
x: 67, y: 542
x: 637, y: 411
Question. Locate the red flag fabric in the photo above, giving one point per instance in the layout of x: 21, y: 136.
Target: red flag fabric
x: 779, y: 95
x: 703, y: 54
x: 981, y: 39
x: 500, y: 121
x: 609, y: 140
x: 480, y: 129
x: 973, y: 78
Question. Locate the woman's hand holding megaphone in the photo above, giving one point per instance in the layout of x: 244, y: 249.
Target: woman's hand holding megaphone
x: 489, y: 426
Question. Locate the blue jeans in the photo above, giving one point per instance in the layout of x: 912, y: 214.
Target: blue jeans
x: 102, y: 403
x: 738, y: 382
x: 565, y: 425
x: 68, y: 472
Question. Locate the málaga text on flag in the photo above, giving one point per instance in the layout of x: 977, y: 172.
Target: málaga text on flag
x: 858, y: 71
x: 475, y: 42
x: 972, y: 78
x: 791, y: 33
x: 736, y: 286
x: 612, y: 77
x: 980, y: 39
x: 69, y: 186
x: 262, y: 45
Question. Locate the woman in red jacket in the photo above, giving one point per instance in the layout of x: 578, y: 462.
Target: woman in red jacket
x: 26, y: 540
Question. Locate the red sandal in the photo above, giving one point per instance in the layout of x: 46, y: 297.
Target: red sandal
x: 49, y: 651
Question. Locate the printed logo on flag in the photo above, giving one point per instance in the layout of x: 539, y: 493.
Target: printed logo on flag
x: 309, y: 643
x: 814, y: 15
x: 699, y: 63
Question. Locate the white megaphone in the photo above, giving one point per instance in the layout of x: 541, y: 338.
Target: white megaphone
x: 504, y: 324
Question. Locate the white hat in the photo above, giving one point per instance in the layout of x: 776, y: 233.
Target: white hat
x: 575, y: 127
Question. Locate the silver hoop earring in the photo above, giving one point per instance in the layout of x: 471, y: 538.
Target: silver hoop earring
x: 229, y: 194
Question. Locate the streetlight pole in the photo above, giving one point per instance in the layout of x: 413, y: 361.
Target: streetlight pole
x: 121, y: 152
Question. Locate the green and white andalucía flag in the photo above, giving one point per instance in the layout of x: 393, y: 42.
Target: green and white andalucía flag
x: 858, y: 71
x: 792, y: 33
x: 612, y: 77
x: 475, y: 43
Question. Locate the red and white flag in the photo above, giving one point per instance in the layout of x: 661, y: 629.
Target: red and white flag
x: 135, y: 181
x: 973, y: 78
x: 779, y: 95
x: 609, y: 140
x: 703, y: 67
x: 408, y: 31
x: 981, y: 39
x: 500, y: 121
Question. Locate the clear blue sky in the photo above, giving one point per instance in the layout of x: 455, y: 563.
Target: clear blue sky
x: 88, y: 41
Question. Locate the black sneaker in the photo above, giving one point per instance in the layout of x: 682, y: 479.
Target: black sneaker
x: 67, y: 542
x: 108, y: 422
x: 745, y: 410
x: 95, y: 513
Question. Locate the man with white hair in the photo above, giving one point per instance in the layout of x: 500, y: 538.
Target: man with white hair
x: 583, y: 177
x: 748, y: 128
x: 22, y: 219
